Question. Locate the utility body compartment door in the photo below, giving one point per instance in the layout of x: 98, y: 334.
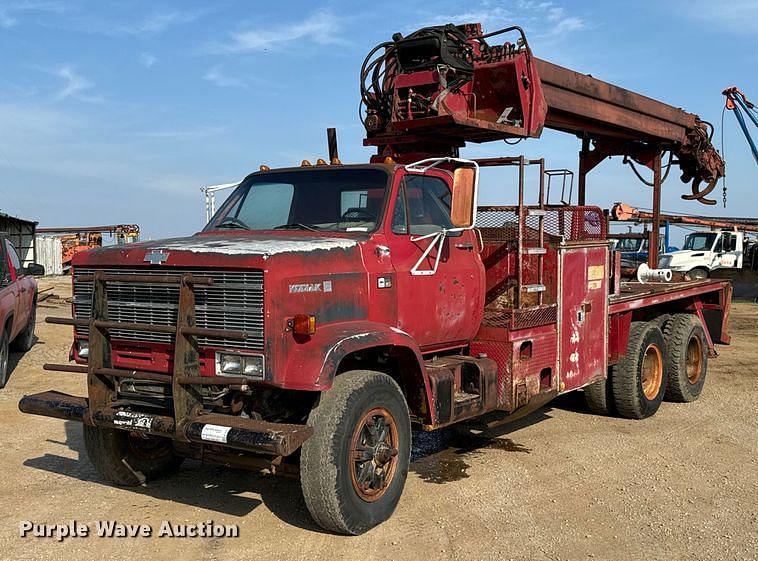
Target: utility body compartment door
x: 583, y: 314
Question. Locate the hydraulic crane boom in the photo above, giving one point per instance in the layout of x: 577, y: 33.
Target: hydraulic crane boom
x: 436, y: 89
x: 737, y: 102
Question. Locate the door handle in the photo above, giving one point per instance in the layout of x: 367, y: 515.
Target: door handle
x: 467, y: 246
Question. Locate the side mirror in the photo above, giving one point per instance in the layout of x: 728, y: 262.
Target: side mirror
x: 34, y: 269
x: 463, y: 206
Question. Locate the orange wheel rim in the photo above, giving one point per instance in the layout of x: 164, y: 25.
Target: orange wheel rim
x: 652, y: 371
x: 694, y: 359
x: 373, y: 454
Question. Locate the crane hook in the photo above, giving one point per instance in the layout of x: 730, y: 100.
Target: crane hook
x: 698, y: 195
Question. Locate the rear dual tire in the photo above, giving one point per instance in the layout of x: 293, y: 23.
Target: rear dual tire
x: 599, y: 396
x: 687, y: 358
x: 666, y: 358
x: 639, y: 380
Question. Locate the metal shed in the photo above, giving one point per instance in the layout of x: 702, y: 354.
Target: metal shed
x: 21, y: 234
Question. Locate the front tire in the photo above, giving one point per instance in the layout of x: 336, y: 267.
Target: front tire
x: 697, y: 274
x: 599, y: 395
x: 640, y: 377
x: 129, y: 460
x: 4, y: 354
x: 353, y: 469
x: 687, y: 358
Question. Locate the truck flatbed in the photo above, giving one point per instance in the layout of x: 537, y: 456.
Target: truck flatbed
x: 634, y: 295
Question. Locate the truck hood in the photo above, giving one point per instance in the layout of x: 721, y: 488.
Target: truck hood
x: 683, y: 258
x: 204, y: 249
x: 684, y: 254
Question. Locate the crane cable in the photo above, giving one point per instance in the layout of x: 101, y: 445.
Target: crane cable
x: 723, y: 155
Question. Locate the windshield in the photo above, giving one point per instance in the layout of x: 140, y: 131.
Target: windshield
x: 699, y: 241
x: 627, y: 244
x: 330, y: 200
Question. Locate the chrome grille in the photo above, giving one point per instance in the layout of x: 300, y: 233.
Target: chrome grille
x: 234, y: 301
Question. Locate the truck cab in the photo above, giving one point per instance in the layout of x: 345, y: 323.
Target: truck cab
x: 704, y: 252
x: 634, y: 249
x: 342, y: 246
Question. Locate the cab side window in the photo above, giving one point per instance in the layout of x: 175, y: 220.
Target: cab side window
x: 13, y: 259
x: 399, y: 215
x: 425, y: 203
x: 730, y: 242
x: 719, y: 247
x: 5, y: 273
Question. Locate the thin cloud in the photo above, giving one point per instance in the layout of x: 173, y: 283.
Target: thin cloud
x: 217, y: 77
x: 561, y: 23
x: 126, y: 25
x: 158, y: 22
x: 321, y: 28
x: 10, y: 11
x: 736, y: 16
x: 486, y: 16
x: 147, y: 60
x: 75, y: 86
x: 189, y: 134
x: 543, y: 19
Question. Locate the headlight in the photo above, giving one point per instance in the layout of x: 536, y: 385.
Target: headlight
x: 228, y: 364
x: 664, y: 262
x: 82, y: 348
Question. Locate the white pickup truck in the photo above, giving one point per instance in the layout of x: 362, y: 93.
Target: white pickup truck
x: 704, y: 252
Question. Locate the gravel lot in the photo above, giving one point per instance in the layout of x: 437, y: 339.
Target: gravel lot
x: 560, y: 484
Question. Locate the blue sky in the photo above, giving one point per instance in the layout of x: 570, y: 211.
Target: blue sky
x: 120, y: 111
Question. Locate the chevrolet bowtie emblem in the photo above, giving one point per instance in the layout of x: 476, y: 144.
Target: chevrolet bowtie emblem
x: 156, y: 257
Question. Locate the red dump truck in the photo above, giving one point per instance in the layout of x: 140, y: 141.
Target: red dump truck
x: 327, y: 308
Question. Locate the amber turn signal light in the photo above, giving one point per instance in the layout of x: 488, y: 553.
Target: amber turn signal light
x: 303, y: 324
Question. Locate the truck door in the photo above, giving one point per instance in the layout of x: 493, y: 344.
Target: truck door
x: 21, y: 290
x: 8, y: 288
x: 446, y: 307
x: 728, y: 251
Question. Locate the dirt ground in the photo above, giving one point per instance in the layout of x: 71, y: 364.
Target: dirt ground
x: 560, y: 484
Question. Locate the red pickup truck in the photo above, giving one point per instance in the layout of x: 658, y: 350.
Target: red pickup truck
x: 18, y: 304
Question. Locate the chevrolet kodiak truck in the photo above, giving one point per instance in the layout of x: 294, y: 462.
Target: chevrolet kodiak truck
x: 326, y: 309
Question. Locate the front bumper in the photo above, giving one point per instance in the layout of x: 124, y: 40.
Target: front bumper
x: 239, y: 433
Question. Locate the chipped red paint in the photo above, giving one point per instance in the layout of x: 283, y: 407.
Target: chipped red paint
x: 584, y: 315
x: 373, y: 302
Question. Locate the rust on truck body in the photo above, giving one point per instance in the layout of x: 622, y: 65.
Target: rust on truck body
x: 473, y: 338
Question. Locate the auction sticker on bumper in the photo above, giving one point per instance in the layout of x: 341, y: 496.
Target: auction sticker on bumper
x: 215, y: 433
x: 133, y: 420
